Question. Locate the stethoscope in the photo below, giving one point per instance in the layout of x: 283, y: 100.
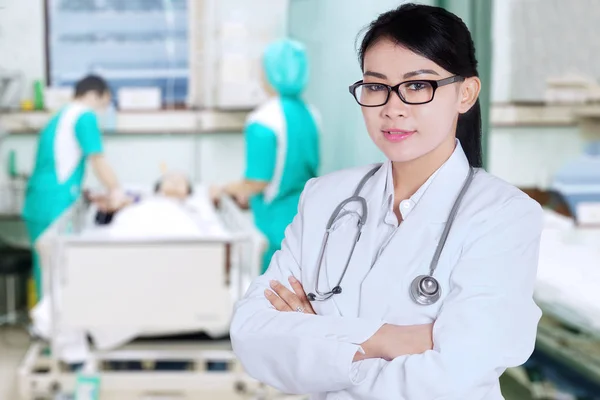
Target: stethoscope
x: 424, y: 289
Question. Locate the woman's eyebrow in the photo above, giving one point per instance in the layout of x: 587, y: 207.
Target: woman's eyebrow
x: 375, y: 74
x: 406, y: 75
x: 420, y: 72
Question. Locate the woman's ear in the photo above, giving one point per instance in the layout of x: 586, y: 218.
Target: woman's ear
x: 469, y: 93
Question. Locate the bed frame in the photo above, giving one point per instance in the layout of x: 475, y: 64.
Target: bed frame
x: 160, y: 286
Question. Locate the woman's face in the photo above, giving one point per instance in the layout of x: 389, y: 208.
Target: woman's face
x: 406, y: 132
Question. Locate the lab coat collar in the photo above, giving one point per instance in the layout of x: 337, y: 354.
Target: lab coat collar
x: 423, y: 226
x: 372, y: 190
x: 411, y: 202
x: 438, y: 191
x: 444, y: 180
x: 439, y: 196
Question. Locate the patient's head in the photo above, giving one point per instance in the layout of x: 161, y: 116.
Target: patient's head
x: 174, y: 185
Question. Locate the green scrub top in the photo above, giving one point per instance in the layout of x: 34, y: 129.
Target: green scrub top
x: 63, y: 147
x: 282, y: 144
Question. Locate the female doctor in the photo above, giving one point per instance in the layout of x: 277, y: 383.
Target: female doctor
x: 410, y: 280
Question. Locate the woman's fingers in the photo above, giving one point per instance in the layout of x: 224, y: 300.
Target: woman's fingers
x: 285, y: 300
x: 286, y: 295
x: 276, y: 301
x: 299, y: 289
x: 297, y: 286
x: 292, y: 300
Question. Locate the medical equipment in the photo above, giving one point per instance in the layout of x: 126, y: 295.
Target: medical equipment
x: 172, y: 285
x: 11, y: 84
x: 12, y: 185
x: 424, y: 289
x: 577, y: 182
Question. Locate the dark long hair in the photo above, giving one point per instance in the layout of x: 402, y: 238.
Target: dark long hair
x: 443, y: 38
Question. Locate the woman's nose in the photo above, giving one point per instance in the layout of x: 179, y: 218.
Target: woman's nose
x: 395, y: 107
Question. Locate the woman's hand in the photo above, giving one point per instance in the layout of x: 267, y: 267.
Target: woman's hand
x: 284, y: 300
x: 392, y: 341
x: 389, y: 342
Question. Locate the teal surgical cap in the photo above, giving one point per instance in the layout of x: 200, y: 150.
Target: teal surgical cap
x: 286, y: 67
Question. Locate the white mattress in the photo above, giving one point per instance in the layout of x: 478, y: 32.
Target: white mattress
x: 158, y: 217
x: 568, y: 281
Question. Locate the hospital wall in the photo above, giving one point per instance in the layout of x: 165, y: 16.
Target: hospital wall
x: 334, y: 66
x: 22, y: 41
x: 523, y: 149
x: 522, y: 154
x: 137, y: 158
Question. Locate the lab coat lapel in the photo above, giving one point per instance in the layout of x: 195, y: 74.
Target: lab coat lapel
x: 342, y: 238
x: 411, y: 249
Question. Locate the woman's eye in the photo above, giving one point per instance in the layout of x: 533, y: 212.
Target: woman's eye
x: 375, y: 87
x: 416, y: 86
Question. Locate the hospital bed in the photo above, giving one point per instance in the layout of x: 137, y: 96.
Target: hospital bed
x: 142, y: 287
x: 568, y: 280
x: 568, y: 292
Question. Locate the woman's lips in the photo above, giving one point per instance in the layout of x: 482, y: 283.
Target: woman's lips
x: 397, y: 135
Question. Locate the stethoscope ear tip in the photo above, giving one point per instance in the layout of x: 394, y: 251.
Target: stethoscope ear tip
x: 311, y: 297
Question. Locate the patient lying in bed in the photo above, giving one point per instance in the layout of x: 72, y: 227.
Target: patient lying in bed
x: 171, y: 211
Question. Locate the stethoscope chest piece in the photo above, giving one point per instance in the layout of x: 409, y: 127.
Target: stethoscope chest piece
x: 425, y: 290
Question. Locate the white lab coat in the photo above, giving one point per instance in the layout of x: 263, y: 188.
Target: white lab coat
x: 485, y: 322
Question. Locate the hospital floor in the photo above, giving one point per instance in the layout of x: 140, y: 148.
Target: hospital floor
x: 14, y: 344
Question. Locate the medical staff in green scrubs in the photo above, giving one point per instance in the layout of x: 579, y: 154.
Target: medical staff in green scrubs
x: 282, y: 146
x: 69, y: 140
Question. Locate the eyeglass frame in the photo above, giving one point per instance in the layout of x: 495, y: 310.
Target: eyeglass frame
x: 396, y: 88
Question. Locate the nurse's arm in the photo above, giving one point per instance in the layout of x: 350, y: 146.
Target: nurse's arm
x: 294, y: 352
x: 245, y: 189
x: 104, y: 172
x: 487, y: 323
x: 261, y: 154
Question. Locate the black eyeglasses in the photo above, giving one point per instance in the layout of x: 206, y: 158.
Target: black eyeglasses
x: 410, y: 92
